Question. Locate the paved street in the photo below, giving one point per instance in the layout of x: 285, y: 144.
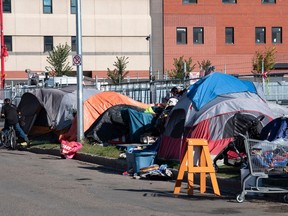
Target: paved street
x: 39, y: 184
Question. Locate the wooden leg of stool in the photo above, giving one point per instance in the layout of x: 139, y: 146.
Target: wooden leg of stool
x: 190, y: 156
x: 182, y: 169
x: 215, y: 184
x: 203, y: 174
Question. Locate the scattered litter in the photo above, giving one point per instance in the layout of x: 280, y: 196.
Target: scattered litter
x: 122, y: 155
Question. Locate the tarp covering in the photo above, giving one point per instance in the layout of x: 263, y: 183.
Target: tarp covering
x: 275, y: 129
x: 210, y: 87
x: 139, y: 123
x: 95, y: 106
x: 111, y: 124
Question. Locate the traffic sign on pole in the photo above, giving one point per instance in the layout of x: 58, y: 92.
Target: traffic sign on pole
x: 77, y: 60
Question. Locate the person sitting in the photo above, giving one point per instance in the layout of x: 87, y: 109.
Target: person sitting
x: 11, y: 115
x: 174, y: 91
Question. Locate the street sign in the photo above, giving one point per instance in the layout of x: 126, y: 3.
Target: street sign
x: 77, y: 60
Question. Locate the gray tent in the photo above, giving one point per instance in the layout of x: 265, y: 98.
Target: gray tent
x: 48, y: 109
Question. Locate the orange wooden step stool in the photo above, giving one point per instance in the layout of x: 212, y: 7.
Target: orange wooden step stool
x: 205, y: 166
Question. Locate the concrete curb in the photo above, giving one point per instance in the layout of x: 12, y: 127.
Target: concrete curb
x: 116, y: 164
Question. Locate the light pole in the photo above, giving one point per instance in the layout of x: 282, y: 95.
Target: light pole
x: 80, y: 118
x: 149, y: 39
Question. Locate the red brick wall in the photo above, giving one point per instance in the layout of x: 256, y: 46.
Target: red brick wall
x: 16, y: 74
x: 214, y: 16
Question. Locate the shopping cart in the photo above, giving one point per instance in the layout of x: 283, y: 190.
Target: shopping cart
x: 265, y: 160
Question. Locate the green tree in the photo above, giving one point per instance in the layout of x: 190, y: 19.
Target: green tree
x: 119, y: 73
x: 269, y: 58
x: 57, y: 58
x: 204, y: 64
x: 178, y: 71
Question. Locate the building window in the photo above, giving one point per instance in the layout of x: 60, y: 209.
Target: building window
x: 73, y: 6
x: 260, y: 35
x: 7, y: 6
x: 189, y: 1
x: 48, y: 43
x: 268, y: 1
x: 229, y: 1
x: 181, y: 35
x: 8, y: 42
x: 198, y: 35
x: 73, y: 43
x: 229, y: 35
x: 47, y: 6
x: 277, y: 35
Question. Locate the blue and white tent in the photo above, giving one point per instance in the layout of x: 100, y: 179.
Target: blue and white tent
x: 206, y: 111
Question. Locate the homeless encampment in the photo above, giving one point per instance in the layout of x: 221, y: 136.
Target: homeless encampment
x: 48, y: 109
x: 121, y: 120
x: 206, y: 111
x: 95, y: 106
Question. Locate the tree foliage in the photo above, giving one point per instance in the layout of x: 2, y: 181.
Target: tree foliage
x: 119, y: 73
x: 268, y: 55
x: 57, y: 58
x: 204, y: 64
x: 178, y: 71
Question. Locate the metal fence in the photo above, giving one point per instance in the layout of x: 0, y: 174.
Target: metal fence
x: 275, y: 90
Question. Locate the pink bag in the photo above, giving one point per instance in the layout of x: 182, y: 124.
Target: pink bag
x: 68, y: 149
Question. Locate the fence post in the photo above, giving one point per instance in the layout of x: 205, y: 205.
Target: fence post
x: 263, y: 81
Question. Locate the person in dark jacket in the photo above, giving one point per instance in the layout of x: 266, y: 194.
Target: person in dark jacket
x: 11, y: 115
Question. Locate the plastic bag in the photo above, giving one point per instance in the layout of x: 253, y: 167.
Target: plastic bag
x: 68, y: 149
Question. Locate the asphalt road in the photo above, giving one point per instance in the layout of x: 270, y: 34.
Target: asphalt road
x: 39, y: 184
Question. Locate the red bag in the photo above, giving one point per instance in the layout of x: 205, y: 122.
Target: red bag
x: 68, y: 149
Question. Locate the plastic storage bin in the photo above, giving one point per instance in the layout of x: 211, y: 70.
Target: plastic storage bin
x: 139, y: 159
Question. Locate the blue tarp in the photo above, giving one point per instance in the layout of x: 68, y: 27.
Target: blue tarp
x: 139, y: 123
x: 275, y: 129
x: 215, y: 84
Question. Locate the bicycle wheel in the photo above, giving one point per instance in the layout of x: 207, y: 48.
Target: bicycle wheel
x: 5, y: 137
x: 2, y: 139
x: 13, y: 139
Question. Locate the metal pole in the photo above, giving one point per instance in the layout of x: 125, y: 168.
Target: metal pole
x: 184, y: 73
x: 149, y: 38
x: 263, y: 81
x: 80, y: 131
x: 2, y: 46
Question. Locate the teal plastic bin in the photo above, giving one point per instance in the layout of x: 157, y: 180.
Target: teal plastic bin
x: 139, y: 159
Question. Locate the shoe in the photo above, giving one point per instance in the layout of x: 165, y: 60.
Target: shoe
x: 28, y: 143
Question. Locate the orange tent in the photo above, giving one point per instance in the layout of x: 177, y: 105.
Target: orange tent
x: 95, y: 106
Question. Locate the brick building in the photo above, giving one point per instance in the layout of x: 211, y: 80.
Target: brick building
x: 226, y: 32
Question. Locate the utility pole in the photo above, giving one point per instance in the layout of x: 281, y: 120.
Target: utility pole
x: 3, y: 47
x: 80, y: 121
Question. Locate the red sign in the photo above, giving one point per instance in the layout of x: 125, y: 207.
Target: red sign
x: 77, y: 60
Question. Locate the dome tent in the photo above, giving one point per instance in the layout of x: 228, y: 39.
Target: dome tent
x: 205, y: 111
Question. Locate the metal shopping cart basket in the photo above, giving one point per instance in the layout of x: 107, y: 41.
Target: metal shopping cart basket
x: 265, y: 159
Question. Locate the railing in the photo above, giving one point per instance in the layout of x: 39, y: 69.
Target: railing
x: 275, y: 90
